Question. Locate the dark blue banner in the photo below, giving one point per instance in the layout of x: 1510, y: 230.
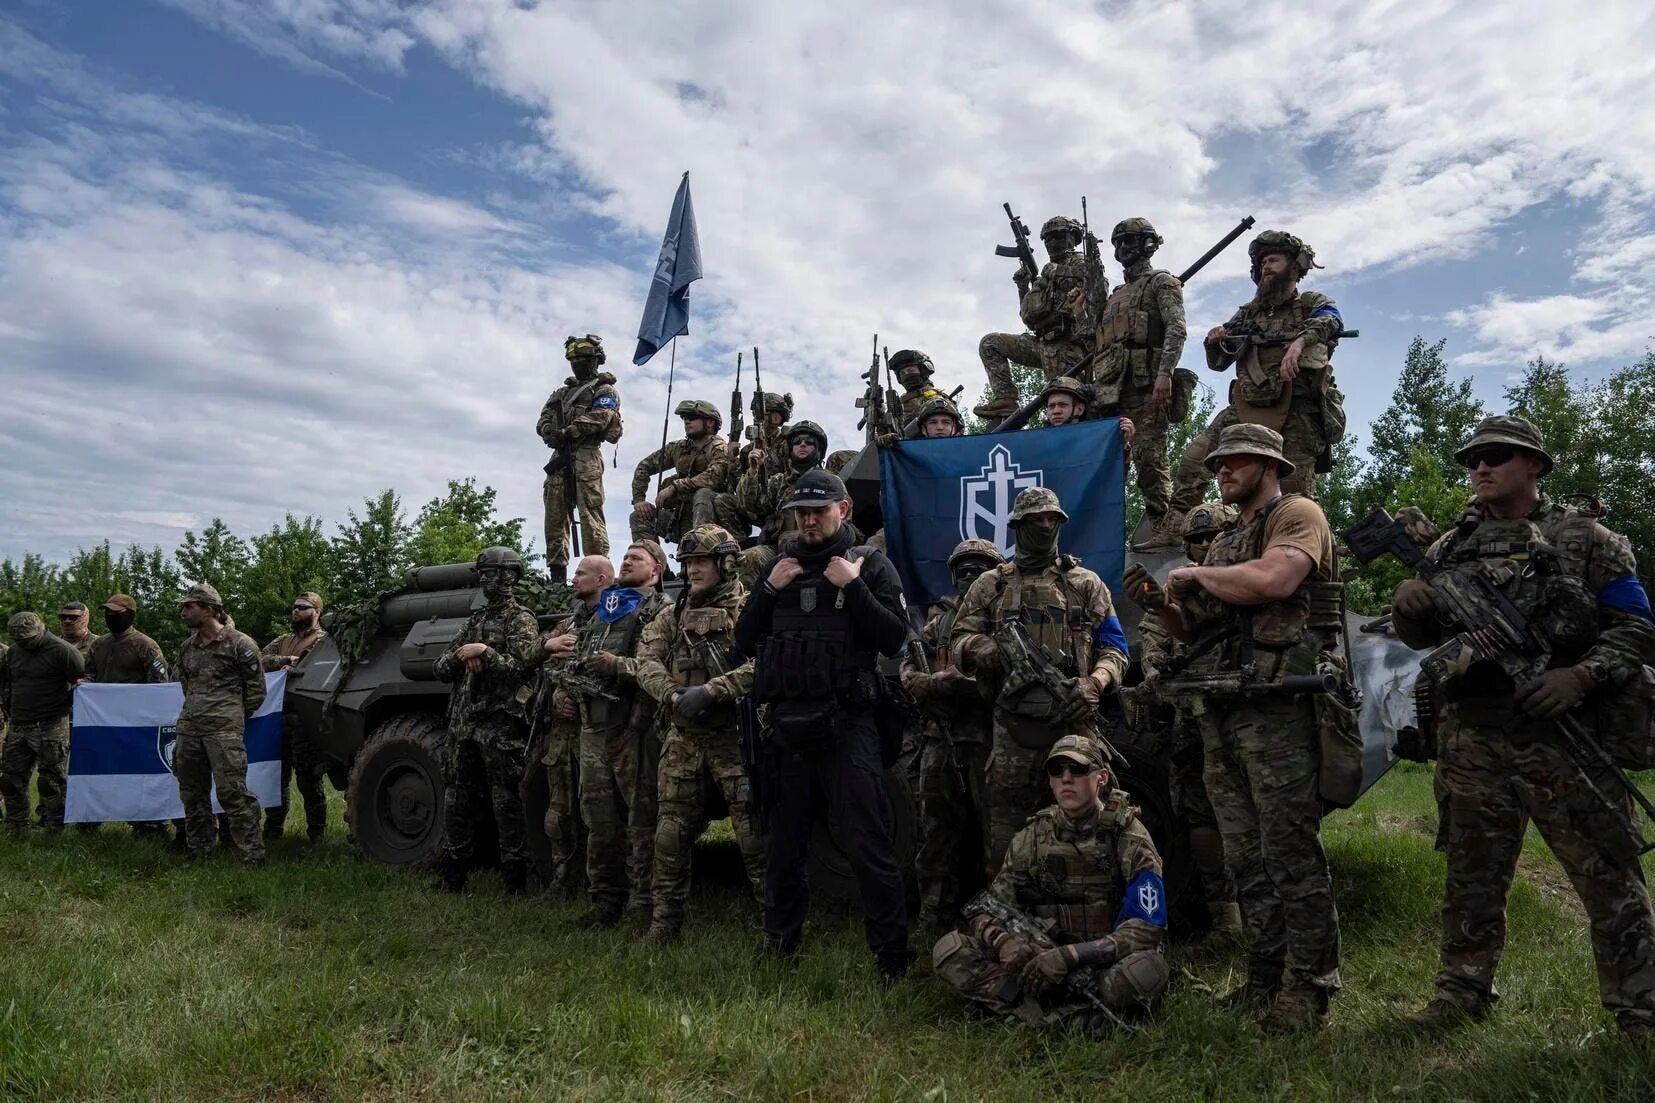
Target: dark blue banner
x: 667, y: 310
x: 939, y: 492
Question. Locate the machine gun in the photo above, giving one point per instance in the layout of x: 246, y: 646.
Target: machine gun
x: 1494, y: 633
x: 872, y: 402
x: 1028, y: 409
x: 1028, y: 267
x: 1079, y: 984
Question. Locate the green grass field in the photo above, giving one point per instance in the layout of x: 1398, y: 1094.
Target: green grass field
x: 126, y: 974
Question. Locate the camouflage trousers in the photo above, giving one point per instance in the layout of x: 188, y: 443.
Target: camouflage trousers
x: 209, y: 757
x: 594, y: 530
x: 1498, y: 778
x: 28, y: 748
x: 998, y: 351
x: 950, y: 859
x: 1262, y: 773
x: 1015, y: 787
x: 617, y: 802
x: 1301, y: 444
x: 1149, y: 445
x: 299, y: 764
x: 679, y: 516
x: 562, y: 824
x: 1195, y: 809
x: 689, y: 762
x: 481, y: 772
x: 966, y: 964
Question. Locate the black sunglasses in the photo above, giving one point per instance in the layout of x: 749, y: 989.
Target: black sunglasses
x: 1494, y: 455
x: 1058, y: 767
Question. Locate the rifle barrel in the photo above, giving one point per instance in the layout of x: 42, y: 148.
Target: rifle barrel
x: 1223, y: 243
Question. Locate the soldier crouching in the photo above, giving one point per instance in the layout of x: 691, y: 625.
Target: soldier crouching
x: 1072, y: 925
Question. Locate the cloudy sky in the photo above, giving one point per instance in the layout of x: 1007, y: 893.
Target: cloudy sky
x: 261, y: 256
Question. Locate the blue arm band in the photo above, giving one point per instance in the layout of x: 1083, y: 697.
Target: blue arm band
x: 1626, y: 594
x: 605, y: 402
x: 1329, y: 311
x: 1110, y: 634
x: 1146, y: 899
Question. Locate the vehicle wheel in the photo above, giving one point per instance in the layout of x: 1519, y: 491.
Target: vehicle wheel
x: 395, y: 800
x: 831, y: 876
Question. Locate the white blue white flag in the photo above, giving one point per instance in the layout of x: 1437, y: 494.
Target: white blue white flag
x: 120, y: 751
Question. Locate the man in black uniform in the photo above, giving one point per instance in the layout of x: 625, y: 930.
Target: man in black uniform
x: 816, y: 627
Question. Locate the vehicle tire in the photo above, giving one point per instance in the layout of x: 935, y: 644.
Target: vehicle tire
x: 831, y: 875
x: 395, y: 800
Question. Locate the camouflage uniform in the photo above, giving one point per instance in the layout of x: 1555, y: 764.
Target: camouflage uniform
x: 126, y: 658
x: 223, y: 684
x: 1501, y: 767
x: 702, y: 467
x: 1069, y: 616
x: 762, y: 495
x: 951, y: 762
x: 689, y: 644
x: 1308, y: 412
x: 562, y: 762
x: 772, y: 440
x: 1263, y: 754
x: 1140, y: 337
x: 37, y: 676
x: 590, y: 409
x: 485, y: 751
x: 1056, y: 340
x: 299, y: 759
x: 619, y: 750
x: 1097, y: 879
x: 83, y: 645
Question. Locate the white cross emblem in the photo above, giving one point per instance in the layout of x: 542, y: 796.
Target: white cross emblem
x: 986, y: 498
x: 611, y: 602
x: 1148, y: 899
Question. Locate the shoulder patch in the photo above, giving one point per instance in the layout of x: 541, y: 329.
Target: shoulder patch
x: 606, y: 402
x: 1145, y: 900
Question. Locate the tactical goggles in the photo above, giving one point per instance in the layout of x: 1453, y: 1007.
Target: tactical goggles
x: 1494, y: 455
x: 490, y: 574
x: 1059, y: 767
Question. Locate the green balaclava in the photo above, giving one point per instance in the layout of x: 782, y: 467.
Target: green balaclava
x: 1036, y: 545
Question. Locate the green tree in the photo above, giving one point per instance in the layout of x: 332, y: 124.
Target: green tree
x: 290, y: 558
x: 369, y: 551
x: 1625, y: 461
x: 218, y: 557
x: 455, y: 526
x: 1428, y: 414
x: 32, y: 585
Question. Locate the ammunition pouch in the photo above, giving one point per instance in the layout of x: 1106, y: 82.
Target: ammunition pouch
x: 1418, y: 743
x: 1340, y: 740
x: 1183, y: 395
x: 1332, y: 419
x: 1624, y: 721
x: 802, y: 668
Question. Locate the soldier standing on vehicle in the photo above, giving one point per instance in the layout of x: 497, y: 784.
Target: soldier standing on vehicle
x: 1058, y: 306
x: 1282, y: 344
x: 299, y: 760
x: 1182, y: 731
x: 1076, y: 653
x: 578, y: 419
x: 489, y: 662
x: 687, y: 663
x: 701, y: 462
x: 913, y: 369
x: 75, y: 628
x: 1140, y: 337
x: 769, y: 438
x: 1269, y: 588
x: 816, y: 626
x: 561, y: 718
x: 223, y: 684
x: 1499, y: 755
x: 619, y: 747
x: 761, y: 495
x: 37, y: 679
x: 1087, y: 867
x: 951, y: 858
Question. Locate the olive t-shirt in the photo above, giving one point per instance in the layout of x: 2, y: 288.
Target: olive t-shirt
x: 1298, y: 522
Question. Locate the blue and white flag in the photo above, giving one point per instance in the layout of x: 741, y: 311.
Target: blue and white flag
x: 667, y: 310
x: 941, y: 491
x: 120, y: 751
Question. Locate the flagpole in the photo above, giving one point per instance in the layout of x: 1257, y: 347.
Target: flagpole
x: 666, y: 417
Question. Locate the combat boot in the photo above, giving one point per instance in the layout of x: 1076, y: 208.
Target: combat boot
x: 893, y: 965
x: 558, y: 572
x: 516, y: 877
x: 1226, y: 920
x: 599, y: 916
x: 1259, y: 991
x: 1443, y: 1015
x: 1297, y: 1007
x: 639, y: 907
x: 1167, y: 534
x: 997, y: 408
x: 451, y: 875
x: 663, y: 932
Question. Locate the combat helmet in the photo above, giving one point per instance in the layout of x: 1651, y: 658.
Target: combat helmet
x: 500, y: 558
x: 938, y: 405
x: 974, y: 549
x: 814, y: 432
x: 699, y: 407
x: 778, y: 404
x: 1207, y: 520
x: 1061, y: 224
x: 1302, y: 256
x: 1136, y: 227
x: 203, y: 593
x: 839, y: 460
x: 1036, y: 499
x: 1069, y: 385
x: 589, y: 347
x: 903, y: 357
x: 710, y: 542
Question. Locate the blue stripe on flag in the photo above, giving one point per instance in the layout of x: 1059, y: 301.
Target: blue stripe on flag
x: 136, y: 749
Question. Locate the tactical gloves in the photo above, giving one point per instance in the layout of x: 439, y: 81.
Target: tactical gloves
x: 1142, y: 588
x: 1415, y: 600
x: 605, y: 664
x: 1046, y: 969
x: 1555, y: 692
x: 693, y: 701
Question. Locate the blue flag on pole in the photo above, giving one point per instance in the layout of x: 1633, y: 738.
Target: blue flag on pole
x: 667, y: 310
x: 939, y: 492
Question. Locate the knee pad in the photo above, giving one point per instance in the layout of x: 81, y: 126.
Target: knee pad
x: 1137, y: 981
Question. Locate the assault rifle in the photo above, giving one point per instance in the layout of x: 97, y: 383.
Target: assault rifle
x: 1244, y: 682
x: 1094, y: 254
x: 1243, y: 335
x: 759, y: 422
x: 872, y: 402
x: 1493, y: 632
x: 735, y: 403
x: 1028, y: 267
x: 1023, y: 660
x: 1080, y: 984
x: 1030, y: 408
x: 561, y: 462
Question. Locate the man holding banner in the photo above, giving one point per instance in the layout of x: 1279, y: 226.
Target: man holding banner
x: 223, y: 682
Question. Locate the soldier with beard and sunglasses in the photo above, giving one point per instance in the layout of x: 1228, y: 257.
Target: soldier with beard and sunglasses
x: 299, y: 761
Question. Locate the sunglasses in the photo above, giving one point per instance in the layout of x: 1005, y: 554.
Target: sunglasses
x: 1494, y: 456
x: 303, y: 608
x: 1058, y: 767
x: 68, y: 616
